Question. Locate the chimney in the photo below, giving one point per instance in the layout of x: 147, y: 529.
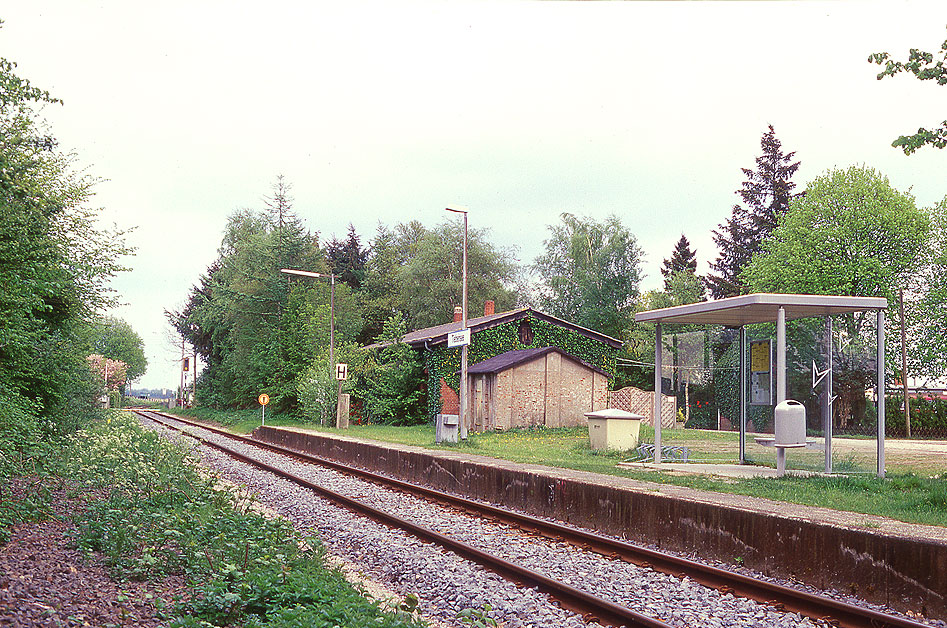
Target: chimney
x: 458, y: 314
x: 489, y: 308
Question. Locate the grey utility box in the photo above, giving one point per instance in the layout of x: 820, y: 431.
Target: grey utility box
x: 790, y: 424
x: 446, y: 428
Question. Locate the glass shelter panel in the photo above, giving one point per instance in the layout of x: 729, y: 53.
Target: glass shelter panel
x: 701, y: 376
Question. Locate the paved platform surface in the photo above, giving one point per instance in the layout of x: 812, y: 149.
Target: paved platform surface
x: 721, y: 470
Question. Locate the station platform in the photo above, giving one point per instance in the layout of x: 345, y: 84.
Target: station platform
x: 885, y: 561
x: 719, y: 470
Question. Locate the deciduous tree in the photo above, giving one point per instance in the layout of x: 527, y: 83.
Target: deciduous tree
x: 925, y: 66
x: 851, y: 234
x: 432, y: 279
x: 115, y: 339
x: 55, y: 264
x: 590, y: 272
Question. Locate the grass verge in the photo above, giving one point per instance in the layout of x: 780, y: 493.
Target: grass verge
x: 161, y: 516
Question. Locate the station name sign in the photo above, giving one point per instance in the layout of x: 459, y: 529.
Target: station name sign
x: 458, y: 338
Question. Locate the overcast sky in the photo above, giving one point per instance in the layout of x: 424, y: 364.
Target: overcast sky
x: 388, y: 111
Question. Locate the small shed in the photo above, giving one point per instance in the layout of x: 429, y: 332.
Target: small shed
x: 544, y: 386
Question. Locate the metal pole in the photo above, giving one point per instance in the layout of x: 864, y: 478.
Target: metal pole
x: 904, y: 366
x: 743, y: 367
x: 781, y: 355
x: 880, y: 365
x: 657, y: 393
x: 827, y: 395
x: 331, y: 324
x: 181, y: 393
x: 463, y: 349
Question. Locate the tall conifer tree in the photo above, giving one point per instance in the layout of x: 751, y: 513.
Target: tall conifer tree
x: 766, y: 194
x: 682, y: 258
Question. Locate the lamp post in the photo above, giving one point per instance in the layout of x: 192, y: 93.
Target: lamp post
x: 463, y: 350
x: 331, y: 278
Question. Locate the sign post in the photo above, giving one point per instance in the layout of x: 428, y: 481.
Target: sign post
x: 263, y: 399
x: 342, y: 401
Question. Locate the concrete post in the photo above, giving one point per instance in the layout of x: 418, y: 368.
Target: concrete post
x: 743, y: 376
x: 880, y: 365
x: 780, y: 355
x: 657, y: 393
x: 827, y: 395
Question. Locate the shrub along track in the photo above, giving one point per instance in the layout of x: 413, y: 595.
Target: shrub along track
x: 592, y: 606
x: 46, y: 581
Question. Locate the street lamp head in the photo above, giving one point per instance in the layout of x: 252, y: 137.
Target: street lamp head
x: 457, y: 209
x: 304, y: 273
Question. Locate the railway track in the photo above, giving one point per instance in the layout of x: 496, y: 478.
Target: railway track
x: 592, y: 607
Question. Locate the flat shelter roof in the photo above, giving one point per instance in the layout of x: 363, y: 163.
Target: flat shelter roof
x: 761, y: 308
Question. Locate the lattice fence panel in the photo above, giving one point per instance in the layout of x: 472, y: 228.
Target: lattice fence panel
x: 641, y: 402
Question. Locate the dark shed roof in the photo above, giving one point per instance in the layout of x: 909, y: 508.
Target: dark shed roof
x: 508, y: 360
x: 438, y: 334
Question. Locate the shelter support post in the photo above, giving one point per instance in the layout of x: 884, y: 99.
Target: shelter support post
x: 743, y: 377
x: 658, y: 366
x: 780, y: 355
x: 827, y: 397
x: 880, y: 365
x: 780, y: 379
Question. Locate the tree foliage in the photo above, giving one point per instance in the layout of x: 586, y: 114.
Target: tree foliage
x: 115, y: 339
x: 925, y: 66
x: 927, y: 303
x: 393, y: 379
x: 255, y: 329
x: 766, y: 193
x: 347, y: 259
x: 55, y: 265
x: 432, y: 279
x: 589, y: 273
x: 416, y: 272
x: 851, y: 234
x: 682, y: 259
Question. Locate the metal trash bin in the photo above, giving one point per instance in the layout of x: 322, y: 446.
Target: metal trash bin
x: 790, y: 422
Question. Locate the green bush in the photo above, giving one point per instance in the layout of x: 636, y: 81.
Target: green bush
x: 24, y: 451
x: 928, y: 417
x: 22, y: 446
x: 162, y: 516
x: 392, y: 381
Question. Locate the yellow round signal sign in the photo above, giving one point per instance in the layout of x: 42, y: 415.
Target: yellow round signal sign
x: 264, y: 399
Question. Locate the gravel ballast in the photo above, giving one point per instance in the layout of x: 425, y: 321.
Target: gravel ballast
x: 446, y: 583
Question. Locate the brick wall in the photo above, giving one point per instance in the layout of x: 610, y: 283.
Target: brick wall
x: 450, y: 401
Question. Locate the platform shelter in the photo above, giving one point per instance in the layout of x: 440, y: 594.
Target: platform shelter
x: 738, y: 312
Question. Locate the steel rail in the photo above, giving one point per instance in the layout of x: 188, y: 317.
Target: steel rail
x: 781, y: 597
x: 591, y: 607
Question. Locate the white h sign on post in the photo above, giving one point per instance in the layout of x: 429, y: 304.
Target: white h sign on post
x: 341, y: 371
x: 458, y: 338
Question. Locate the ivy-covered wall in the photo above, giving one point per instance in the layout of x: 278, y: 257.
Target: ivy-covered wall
x: 443, y: 362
